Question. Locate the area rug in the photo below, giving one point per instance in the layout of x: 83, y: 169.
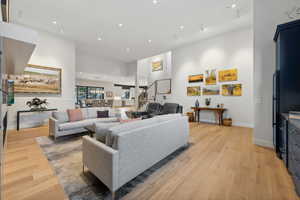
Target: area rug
x: 65, y: 155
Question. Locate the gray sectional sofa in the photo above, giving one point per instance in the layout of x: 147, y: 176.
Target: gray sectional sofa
x: 136, y: 147
x: 59, y: 124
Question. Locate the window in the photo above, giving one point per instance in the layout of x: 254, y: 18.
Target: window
x: 89, y: 92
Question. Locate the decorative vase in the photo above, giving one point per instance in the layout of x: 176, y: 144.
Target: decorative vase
x: 197, y: 104
x: 207, y: 101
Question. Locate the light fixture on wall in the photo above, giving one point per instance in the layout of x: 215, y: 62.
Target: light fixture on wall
x: 54, y: 22
x: 155, y: 2
x: 149, y: 41
x: 99, y: 38
x: 120, y: 25
x: 181, y: 27
x: 127, y: 49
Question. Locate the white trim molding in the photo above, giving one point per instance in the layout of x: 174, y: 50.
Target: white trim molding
x: 263, y: 143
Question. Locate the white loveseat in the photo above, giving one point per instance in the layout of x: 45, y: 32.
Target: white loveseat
x: 138, y: 146
x: 59, y: 124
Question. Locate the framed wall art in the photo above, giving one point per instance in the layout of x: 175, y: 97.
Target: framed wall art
x: 38, y: 79
x: 194, y: 91
x: 232, y: 90
x: 196, y: 78
x: 157, y: 66
x: 211, y: 90
x: 228, y: 75
x: 211, y: 77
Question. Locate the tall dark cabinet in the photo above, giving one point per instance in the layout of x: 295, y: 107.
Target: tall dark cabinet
x: 286, y: 95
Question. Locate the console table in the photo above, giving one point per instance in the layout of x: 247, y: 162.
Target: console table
x: 219, y: 112
x: 28, y: 111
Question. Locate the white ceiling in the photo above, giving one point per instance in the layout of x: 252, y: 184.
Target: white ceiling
x: 85, y: 21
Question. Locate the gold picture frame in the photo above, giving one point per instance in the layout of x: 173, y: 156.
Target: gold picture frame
x: 38, y: 79
x: 196, y: 78
x: 232, y: 90
x: 194, y: 91
x: 211, y: 90
x: 211, y: 77
x: 157, y: 66
x: 228, y: 75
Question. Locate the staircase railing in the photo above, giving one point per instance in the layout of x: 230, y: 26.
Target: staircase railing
x: 144, y: 98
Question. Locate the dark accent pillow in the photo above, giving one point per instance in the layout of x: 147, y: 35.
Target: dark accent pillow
x: 102, y: 114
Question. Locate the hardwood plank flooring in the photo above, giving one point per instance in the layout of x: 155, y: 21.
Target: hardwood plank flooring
x: 27, y: 173
x: 221, y: 164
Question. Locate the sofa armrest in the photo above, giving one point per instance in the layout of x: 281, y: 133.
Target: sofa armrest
x: 102, y: 161
x: 53, y: 126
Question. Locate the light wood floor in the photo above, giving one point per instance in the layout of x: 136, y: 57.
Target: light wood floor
x: 221, y: 164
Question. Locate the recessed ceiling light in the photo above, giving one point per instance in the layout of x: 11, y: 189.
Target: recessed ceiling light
x: 181, y: 27
x: 149, y: 41
x: 233, y: 5
x: 120, y: 25
x: 54, y: 22
x: 155, y: 2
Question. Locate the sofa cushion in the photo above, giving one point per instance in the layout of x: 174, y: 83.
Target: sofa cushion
x: 84, y: 123
x: 102, y: 129
x: 75, y: 115
x: 75, y: 125
x: 167, y: 117
x: 61, y: 117
x: 84, y: 113
x: 169, y: 108
x: 102, y: 114
x: 92, y: 112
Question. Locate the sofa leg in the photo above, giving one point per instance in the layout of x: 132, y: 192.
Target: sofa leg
x: 83, y: 169
x: 113, y: 195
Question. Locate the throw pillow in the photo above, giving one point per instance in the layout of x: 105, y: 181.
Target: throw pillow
x: 102, y: 114
x: 75, y: 115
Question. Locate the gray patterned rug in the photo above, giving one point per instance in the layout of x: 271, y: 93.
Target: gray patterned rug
x: 65, y: 155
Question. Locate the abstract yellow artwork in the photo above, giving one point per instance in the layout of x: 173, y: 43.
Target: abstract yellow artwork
x: 194, y: 91
x: 196, y: 78
x: 228, y: 75
x: 211, y: 77
x: 157, y: 66
x: 232, y: 90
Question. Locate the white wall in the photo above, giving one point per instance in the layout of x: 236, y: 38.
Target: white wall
x: 89, y: 63
x: 144, y: 68
x: 231, y: 50
x: 147, y: 77
x: 50, y: 51
x: 267, y: 15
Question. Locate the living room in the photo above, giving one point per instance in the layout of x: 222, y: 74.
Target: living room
x: 151, y: 99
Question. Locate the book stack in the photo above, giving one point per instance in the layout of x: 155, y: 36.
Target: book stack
x: 294, y: 114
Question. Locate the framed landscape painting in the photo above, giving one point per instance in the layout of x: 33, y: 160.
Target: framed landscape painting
x: 211, y: 90
x: 196, y: 78
x: 157, y: 66
x: 232, y: 90
x: 194, y: 91
x: 38, y: 79
x: 211, y: 77
x: 228, y: 75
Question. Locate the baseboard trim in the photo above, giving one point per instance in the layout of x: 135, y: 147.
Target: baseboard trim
x: 263, y: 143
x: 239, y: 124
